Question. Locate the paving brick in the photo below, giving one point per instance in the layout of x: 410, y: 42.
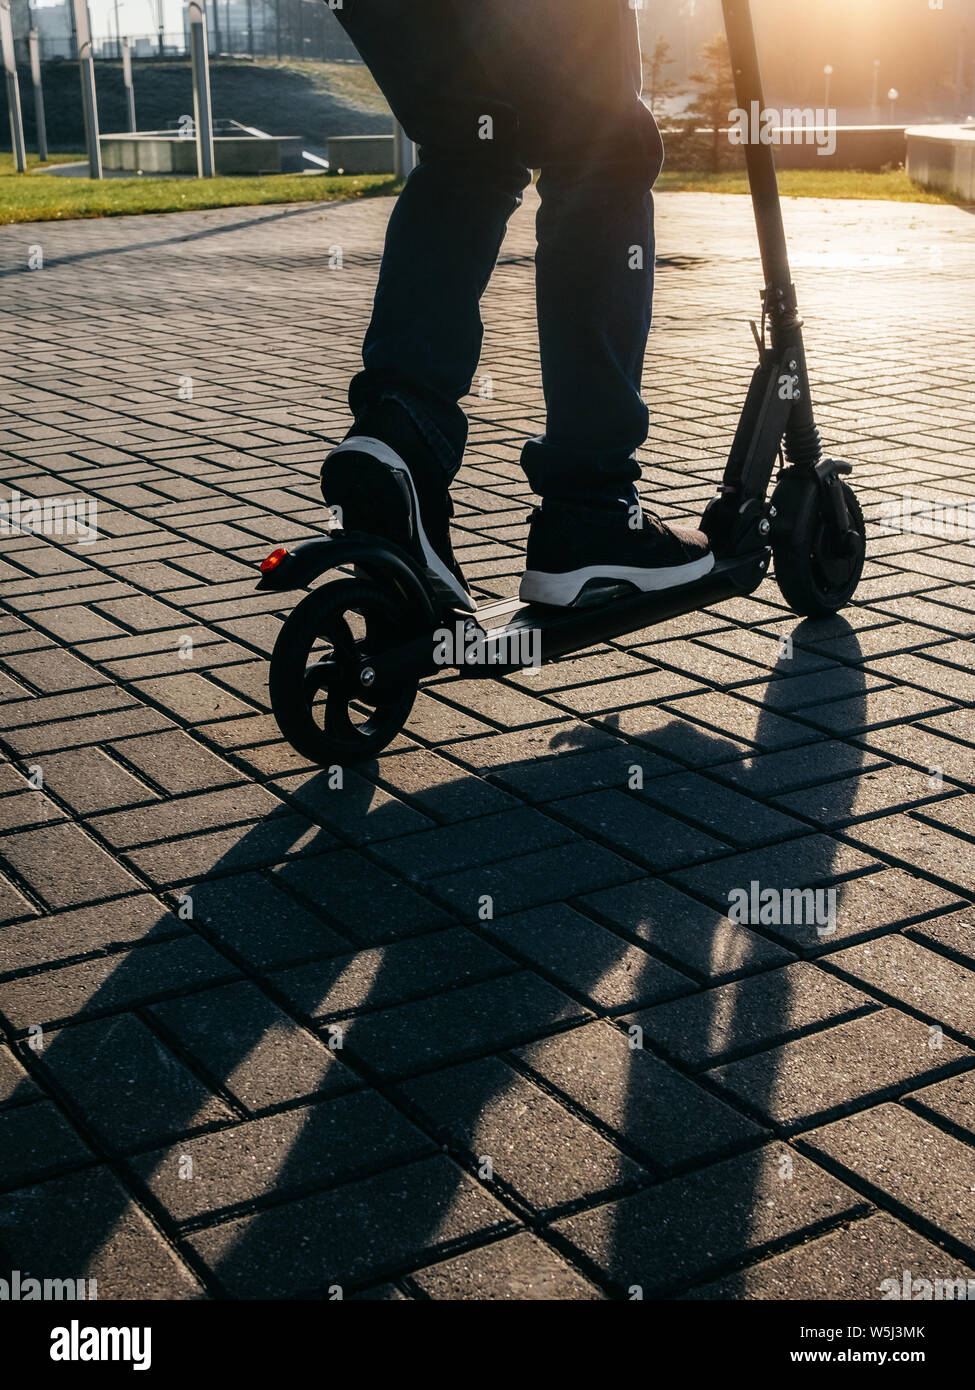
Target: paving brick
x: 280, y: 1156
x: 86, y: 1226
x: 13, y: 905
x: 390, y: 974
x: 521, y: 1268
x: 186, y: 815
x: 175, y: 762
x: 90, y: 781
x: 735, y: 1019
x: 254, y: 846
x: 35, y: 1142
x: 743, y: 1206
x: 847, y: 1066
x: 133, y: 1090
x: 439, y: 788
x: 452, y: 848
x: 951, y: 1104
x: 867, y: 794
x: 364, y: 902
x: 953, y: 933
x: 87, y: 931
x: 659, y: 841
x: 908, y: 1164
x: 477, y: 1019
x: 364, y: 1232
x: 532, y: 879
x: 696, y: 938
x: 249, y: 1047
x: 656, y: 1113
x: 105, y: 983
x: 796, y: 768
x: 921, y: 846
x: 848, y: 1265
x: 733, y: 818
x: 359, y: 811
x: 586, y: 959
x: 905, y: 972
x: 800, y: 863
x: 64, y: 867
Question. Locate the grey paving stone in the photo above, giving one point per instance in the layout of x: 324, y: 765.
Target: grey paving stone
x: 740, y: 1208
x: 390, y: 974
x: 104, y: 984
x: 440, y: 788
x: 360, y: 899
x: 949, y: 1103
x: 64, y: 867
x: 358, y: 811
x: 801, y: 863
x: 461, y: 1023
x: 280, y: 1156
x: 796, y: 768
x: 719, y: 1024
x: 538, y: 1150
x: 521, y: 1267
x: 275, y: 930
x: 364, y: 1231
x: 586, y: 959
x: 573, y: 773
x: 953, y: 933
x: 642, y: 832
x: 849, y: 1265
x: 260, y: 844
x: 89, y: 781
x: 469, y: 844
x: 249, y: 1047
x: 694, y: 937
x: 187, y: 815
x: 176, y: 762
x: 16, y: 1086
x: 909, y: 1164
x: 35, y: 1142
x: 86, y: 1226
x: 905, y: 972
x: 532, y: 879
x: 13, y: 905
x: 650, y: 1108
x: 862, y: 796
x: 921, y: 846
x: 823, y: 1074
x: 735, y: 819
x: 134, y: 1091
x: 85, y: 931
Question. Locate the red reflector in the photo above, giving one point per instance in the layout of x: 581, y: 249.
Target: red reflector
x: 273, y: 560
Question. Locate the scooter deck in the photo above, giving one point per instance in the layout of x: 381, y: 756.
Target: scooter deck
x: 510, y: 627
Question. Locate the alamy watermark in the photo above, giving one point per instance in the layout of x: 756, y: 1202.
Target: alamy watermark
x: 24, y: 1288
x: 778, y: 907
x: 469, y: 645
x: 793, y: 125
x: 905, y: 1286
x: 50, y: 516
x: 943, y: 518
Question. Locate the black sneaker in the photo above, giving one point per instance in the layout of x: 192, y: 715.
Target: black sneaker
x: 383, y: 480
x: 572, y: 548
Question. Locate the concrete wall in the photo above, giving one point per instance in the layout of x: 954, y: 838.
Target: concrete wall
x: 362, y: 154
x: 943, y: 157
x: 159, y: 152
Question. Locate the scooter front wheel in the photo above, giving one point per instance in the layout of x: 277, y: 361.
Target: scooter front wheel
x: 817, y: 569
x: 317, y: 697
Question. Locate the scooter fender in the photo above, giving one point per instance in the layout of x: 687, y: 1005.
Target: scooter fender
x: 379, y: 560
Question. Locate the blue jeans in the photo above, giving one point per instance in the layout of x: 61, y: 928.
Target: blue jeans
x: 490, y: 90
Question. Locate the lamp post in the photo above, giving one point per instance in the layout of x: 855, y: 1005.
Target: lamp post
x: 13, y: 88
x: 89, y: 101
x: 893, y: 96
x: 202, y: 109
x: 34, y: 51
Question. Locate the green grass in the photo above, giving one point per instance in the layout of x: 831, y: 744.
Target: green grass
x: 29, y: 198
x: 32, y: 199
x: 810, y: 183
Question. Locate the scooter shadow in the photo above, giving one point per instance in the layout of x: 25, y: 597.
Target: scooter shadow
x: 486, y: 1087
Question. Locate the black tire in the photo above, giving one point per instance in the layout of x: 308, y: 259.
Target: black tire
x: 817, y: 579
x: 348, y: 727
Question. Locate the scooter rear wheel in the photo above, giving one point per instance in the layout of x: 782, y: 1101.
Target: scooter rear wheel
x: 817, y: 571
x: 317, y: 697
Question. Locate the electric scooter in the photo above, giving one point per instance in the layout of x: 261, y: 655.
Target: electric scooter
x: 347, y: 663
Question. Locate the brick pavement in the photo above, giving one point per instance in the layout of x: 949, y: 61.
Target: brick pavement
x: 257, y: 1038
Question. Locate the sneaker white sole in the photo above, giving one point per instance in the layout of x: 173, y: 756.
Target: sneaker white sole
x: 365, y: 444
x: 562, y: 590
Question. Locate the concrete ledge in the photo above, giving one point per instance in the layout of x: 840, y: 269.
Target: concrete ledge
x: 362, y: 154
x: 161, y: 152
x: 943, y: 157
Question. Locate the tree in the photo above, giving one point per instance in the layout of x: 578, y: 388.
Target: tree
x: 715, y: 94
x: 657, y: 86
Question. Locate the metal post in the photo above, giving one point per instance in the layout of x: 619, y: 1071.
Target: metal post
x: 202, y: 111
x: 89, y: 100
x: 13, y: 88
x: 127, y: 80
x: 404, y: 152
x: 34, y: 49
